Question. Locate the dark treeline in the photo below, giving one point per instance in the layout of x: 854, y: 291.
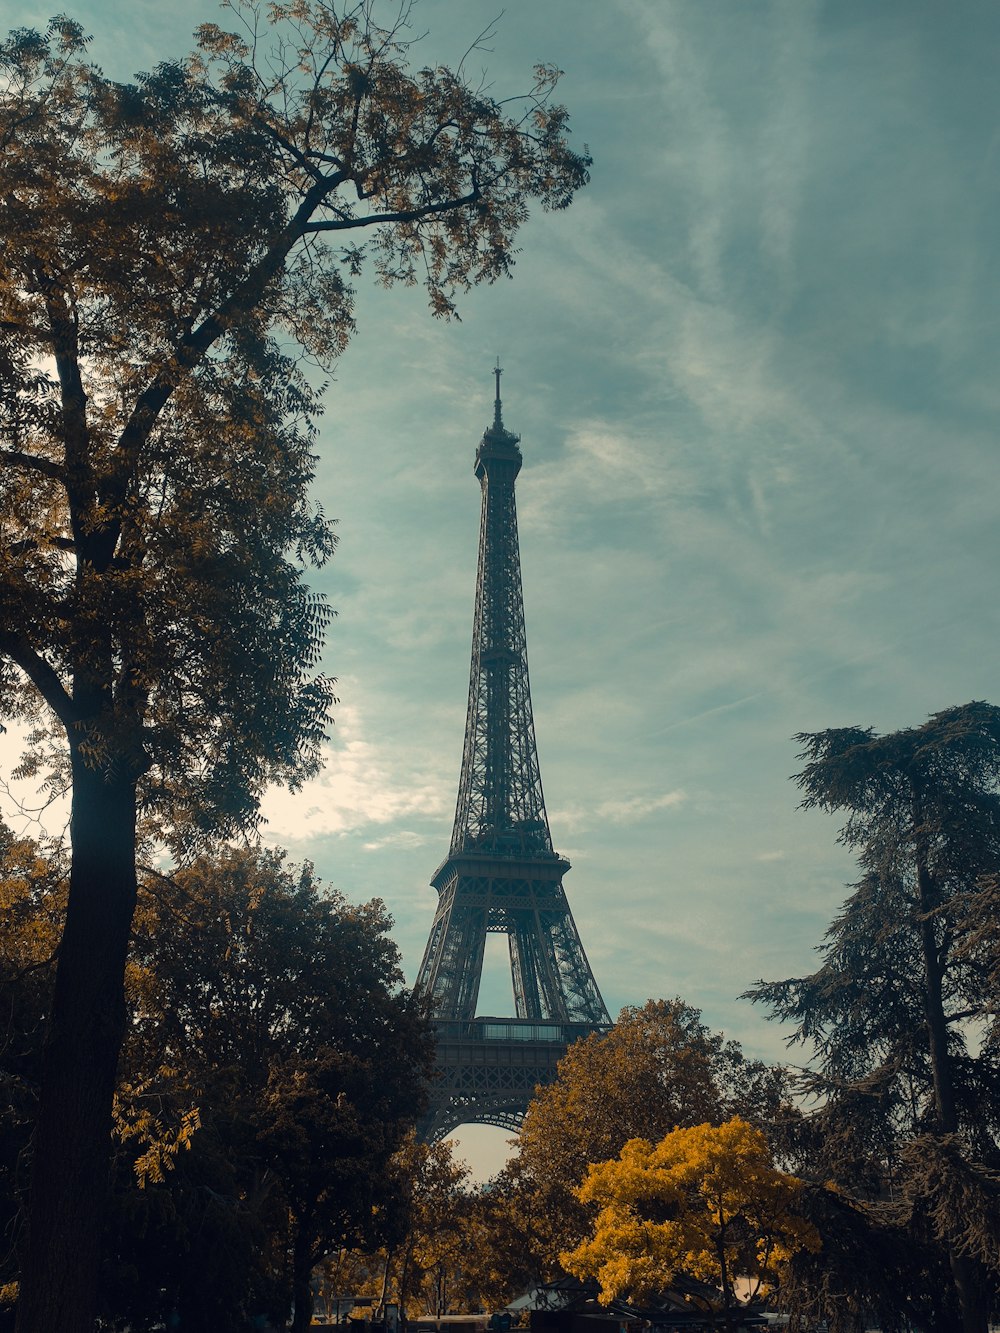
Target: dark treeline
x: 275, y: 1067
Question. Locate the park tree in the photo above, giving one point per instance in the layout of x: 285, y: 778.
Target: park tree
x: 276, y: 1009
x: 705, y: 1201
x: 660, y: 1067
x: 427, y: 1236
x: 32, y: 902
x: 434, y: 1251
x: 900, y: 1016
x: 510, y: 1233
x: 169, y: 248
x: 873, y: 1269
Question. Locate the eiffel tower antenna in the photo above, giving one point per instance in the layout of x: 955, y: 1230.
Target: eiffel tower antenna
x: 501, y: 874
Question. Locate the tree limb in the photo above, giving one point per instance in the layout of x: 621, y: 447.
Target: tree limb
x: 33, y: 463
x: 405, y: 215
x: 41, y: 674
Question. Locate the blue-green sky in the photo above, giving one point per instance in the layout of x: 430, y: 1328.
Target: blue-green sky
x: 754, y: 369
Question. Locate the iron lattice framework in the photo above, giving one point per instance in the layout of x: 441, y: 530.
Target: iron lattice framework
x: 501, y: 874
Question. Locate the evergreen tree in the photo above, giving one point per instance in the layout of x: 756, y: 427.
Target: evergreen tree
x: 894, y: 1014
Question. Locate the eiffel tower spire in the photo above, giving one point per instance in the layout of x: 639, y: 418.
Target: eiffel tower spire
x: 502, y: 874
x: 500, y: 805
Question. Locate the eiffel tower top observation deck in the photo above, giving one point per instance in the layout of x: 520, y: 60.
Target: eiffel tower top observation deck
x: 501, y: 874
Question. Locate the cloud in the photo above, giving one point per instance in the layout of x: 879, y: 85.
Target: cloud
x: 770, y: 856
x: 363, y: 784
x: 630, y: 810
x: 639, y: 807
x: 404, y: 838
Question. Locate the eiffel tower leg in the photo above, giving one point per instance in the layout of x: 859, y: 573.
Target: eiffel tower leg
x: 537, y: 990
x: 578, y: 989
x: 453, y: 960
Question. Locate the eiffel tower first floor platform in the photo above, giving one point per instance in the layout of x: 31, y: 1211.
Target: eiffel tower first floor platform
x: 487, y: 1070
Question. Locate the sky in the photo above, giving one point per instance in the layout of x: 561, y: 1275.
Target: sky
x: 754, y: 372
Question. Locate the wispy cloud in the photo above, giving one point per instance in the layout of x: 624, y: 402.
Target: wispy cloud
x: 403, y: 838
x: 622, y: 810
x: 363, y: 785
x: 639, y: 807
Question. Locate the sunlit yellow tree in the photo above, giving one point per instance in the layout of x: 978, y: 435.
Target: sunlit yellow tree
x: 705, y: 1201
x: 660, y: 1067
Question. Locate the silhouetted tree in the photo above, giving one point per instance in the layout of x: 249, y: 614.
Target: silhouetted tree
x: 910, y: 1106
x: 162, y: 244
x: 32, y: 903
x: 276, y: 1009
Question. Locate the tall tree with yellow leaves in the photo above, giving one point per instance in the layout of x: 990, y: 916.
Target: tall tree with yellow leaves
x: 706, y: 1201
x: 658, y: 1068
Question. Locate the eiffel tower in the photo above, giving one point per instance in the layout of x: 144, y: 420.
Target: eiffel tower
x: 501, y: 874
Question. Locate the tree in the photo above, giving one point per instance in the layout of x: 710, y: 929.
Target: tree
x: 164, y: 244
x: 281, y: 1010
x: 906, y: 978
x: 872, y: 1270
x: 437, y: 1242
x: 706, y: 1201
x: 429, y: 1245
x: 658, y: 1068
x: 32, y: 900
x: 509, y: 1232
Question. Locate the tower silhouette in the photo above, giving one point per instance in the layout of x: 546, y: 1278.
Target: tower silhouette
x: 501, y: 874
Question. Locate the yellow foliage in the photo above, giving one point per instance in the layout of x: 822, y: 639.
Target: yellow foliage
x: 706, y: 1201
x: 160, y: 1137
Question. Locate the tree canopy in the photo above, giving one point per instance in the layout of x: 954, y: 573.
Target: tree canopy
x: 272, y: 1074
x: 895, y: 1015
x: 658, y: 1068
x: 706, y: 1201
x: 170, y: 249
x: 167, y: 245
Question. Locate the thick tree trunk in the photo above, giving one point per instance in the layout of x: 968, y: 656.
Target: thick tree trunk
x: 302, y: 1293
x: 970, y: 1284
x: 73, y: 1135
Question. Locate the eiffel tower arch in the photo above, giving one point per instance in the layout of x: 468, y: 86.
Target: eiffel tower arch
x: 501, y: 874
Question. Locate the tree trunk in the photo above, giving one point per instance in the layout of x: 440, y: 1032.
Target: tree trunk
x: 386, y: 1272
x: 964, y: 1271
x: 970, y: 1285
x: 302, y: 1294
x: 937, y: 1025
x: 727, y: 1288
x: 404, y: 1276
x: 72, y: 1142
